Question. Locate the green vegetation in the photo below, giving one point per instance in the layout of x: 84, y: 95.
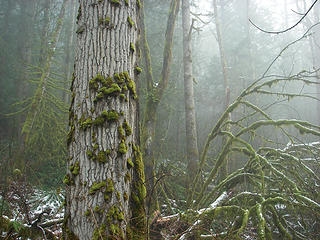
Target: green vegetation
x: 96, y: 187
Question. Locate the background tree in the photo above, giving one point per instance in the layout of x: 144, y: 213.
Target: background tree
x: 190, y: 115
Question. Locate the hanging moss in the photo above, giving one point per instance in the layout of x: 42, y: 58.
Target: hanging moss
x: 131, y: 23
x: 96, y: 187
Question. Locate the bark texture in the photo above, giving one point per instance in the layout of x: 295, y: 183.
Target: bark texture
x: 190, y: 115
x: 105, y: 180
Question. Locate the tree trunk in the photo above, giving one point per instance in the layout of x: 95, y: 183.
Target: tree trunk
x: 105, y: 178
x: 190, y: 115
x: 154, y: 96
x: 70, y: 31
x: 224, y: 168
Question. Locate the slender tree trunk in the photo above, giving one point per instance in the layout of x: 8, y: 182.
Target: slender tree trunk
x: 69, y: 50
x: 44, y: 33
x: 154, y: 97
x: 190, y: 115
x: 224, y: 168
x: 315, y: 46
x: 105, y: 179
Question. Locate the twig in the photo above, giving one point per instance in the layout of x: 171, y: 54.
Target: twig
x: 288, y: 29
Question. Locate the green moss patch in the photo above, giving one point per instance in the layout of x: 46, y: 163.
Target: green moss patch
x: 96, y: 187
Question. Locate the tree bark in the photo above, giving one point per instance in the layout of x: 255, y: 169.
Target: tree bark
x: 190, y: 115
x: 105, y: 178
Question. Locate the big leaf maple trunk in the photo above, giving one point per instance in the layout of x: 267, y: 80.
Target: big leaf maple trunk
x: 105, y: 179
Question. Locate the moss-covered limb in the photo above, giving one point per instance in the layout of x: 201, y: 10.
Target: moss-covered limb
x: 279, y: 173
x: 261, y: 222
x: 230, y: 181
x: 289, y: 96
x: 276, y: 123
x: 277, y: 80
x: 278, y: 223
x: 214, y: 171
x: 304, y: 129
x: 244, y: 223
x: 309, y: 202
x: 166, y: 198
x: 221, y: 158
x: 214, y: 132
x: 243, y: 196
x: 16, y: 230
x: 277, y: 153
